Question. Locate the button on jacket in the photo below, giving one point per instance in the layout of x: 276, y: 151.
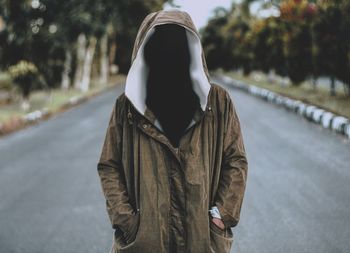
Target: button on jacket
x: 158, y: 196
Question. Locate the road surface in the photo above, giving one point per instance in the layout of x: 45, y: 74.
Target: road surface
x: 297, y: 198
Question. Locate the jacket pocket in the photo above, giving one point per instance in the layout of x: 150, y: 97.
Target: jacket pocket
x: 126, y: 236
x: 221, y: 240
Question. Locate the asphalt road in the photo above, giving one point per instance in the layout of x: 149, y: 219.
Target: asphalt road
x: 297, y: 198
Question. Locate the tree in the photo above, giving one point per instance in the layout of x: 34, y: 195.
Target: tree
x: 64, y: 38
x: 267, y: 37
x: 332, y: 42
x: 214, y: 41
x: 24, y: 74
x: 17, y: 36
x: 127, y: 27
x: 298, y: 17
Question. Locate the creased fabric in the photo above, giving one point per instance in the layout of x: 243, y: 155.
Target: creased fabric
x: 158, y: 196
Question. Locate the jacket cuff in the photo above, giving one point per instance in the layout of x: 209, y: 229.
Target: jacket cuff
x: 226, y: 218
x: 214, y: 212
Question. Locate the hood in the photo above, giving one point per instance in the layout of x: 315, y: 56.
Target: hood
x: 135, y: 86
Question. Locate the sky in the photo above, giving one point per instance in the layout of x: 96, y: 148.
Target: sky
x: 201, y: 10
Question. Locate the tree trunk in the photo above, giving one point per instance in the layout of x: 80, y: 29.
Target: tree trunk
x: 25, y: 105
x: 81, y: 50
x: 65, y: 83
x: 333, y: 86
x: 271, y: 77
x: 90, y: 51
x: 347, y: 88
x: 26, y: 87
x: 112, y: 49
x: 104, y: 61
x: 314, y: 83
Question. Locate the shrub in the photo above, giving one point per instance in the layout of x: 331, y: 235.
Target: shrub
x: 24, y: 75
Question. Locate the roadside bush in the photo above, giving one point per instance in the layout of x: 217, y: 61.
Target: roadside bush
x: 24, y: 75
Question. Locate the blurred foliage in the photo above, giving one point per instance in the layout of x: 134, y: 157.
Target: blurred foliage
x: 24, y: 74
x: 332, y: 40
x: 45, y: 31
x: 214, y: 41
x: 127, y: 27
x: 22, y: 70
x: 307, y: 39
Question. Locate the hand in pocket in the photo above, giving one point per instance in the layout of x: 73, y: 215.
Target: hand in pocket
x: 218, y: 222
x: 129, y: 229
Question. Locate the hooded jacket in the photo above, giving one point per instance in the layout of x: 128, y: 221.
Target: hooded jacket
x: 158, y: 190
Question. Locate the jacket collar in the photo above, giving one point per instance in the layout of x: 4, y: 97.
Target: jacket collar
x: 152, y: 118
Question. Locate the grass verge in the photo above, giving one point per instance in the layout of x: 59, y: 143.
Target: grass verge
x: 338, y: 104
x: 53, y: 102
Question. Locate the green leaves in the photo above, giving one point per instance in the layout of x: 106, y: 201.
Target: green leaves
x: 308, y: 38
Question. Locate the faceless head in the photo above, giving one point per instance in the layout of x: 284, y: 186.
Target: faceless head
x: 167, y: 50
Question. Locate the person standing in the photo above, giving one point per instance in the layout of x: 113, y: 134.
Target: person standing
x: 173, y: 165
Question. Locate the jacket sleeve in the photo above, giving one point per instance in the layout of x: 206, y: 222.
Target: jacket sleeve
x: 111, y: 173
x: 234, y: 168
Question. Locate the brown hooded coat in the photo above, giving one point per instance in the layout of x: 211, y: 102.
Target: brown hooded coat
x: 158, y: 196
